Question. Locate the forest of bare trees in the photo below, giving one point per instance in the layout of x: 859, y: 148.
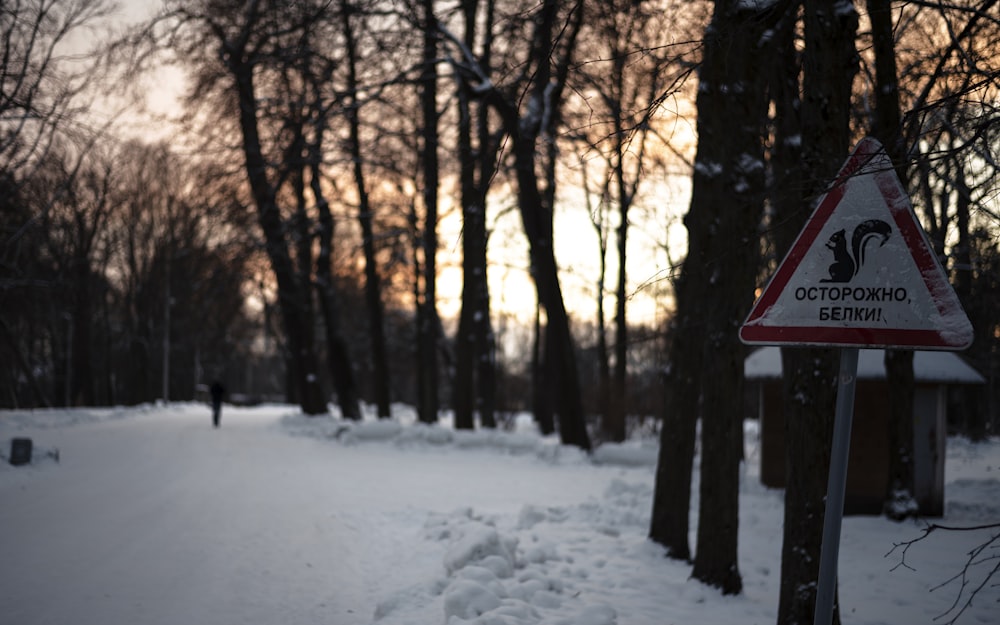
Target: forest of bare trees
x: 281, y: 233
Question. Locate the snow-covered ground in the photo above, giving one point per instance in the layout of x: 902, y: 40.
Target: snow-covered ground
x: 152, y: 517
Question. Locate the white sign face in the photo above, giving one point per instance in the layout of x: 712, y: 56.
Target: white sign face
x: 861, y: 272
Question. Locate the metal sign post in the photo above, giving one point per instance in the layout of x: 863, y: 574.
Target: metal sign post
x: 836, y: 485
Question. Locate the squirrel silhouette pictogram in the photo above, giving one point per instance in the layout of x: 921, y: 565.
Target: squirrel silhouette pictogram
x: 847, y: 262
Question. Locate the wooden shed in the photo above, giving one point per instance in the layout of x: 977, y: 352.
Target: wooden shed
x: 868, y: 467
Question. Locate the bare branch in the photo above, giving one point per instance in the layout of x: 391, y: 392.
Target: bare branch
x: 970, y: 578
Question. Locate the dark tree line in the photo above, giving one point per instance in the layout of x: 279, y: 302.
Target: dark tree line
x: 116, y: 287
x: 799, y: 119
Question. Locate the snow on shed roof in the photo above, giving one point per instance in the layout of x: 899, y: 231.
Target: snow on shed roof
x: 928, y: 366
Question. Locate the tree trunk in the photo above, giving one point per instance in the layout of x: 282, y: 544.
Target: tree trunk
x: 81, y: 368
x: 421, y: 388
x: 530, y: 118
x: 475, y: 366
x: 561, y: 358
x: 474, y: 359
x: 829, y: 65
x: 293, y: 298
x: 603, y: 356
x: 427, y: 370
x: 373, y: 287
x: 489, y: 145
x: 26, y: 370
x: 541, y: 378
x: 537, y: 126
x: 473, y: 344
x: 725, y: 215
x: 373, y: 292
x: 975, y: 415
x: 615, y: 417
x: 300, y: 228
x: 670, y: 520
x: 900, y: 501
x: 900, y: 497
x: 714, y: 292
x: 810, y: 396
x: 341, y: 369
x: 463, y: 393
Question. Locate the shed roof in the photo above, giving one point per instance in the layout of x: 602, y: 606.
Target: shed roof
x: 928, y: 366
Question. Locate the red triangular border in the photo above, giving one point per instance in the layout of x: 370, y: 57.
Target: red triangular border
x: 934, y: 277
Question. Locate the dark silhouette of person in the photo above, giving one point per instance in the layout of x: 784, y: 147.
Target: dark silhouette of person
x: 217, y: 391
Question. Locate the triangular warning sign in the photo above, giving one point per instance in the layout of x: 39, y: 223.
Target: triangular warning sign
x: 861, y: 272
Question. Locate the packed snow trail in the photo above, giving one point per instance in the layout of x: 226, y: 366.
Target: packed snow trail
x: 159, y: 518
x: 162, y: 519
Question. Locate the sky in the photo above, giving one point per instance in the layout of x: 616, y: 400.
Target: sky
x: 577, y: 252
x: 152, y: 516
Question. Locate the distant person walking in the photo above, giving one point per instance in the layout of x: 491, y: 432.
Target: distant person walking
x: 217, y: 391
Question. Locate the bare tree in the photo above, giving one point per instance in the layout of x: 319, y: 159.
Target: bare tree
x: 630, y: 68
x: 174, y: 242
x: 599, y: 206
x: 949, y: 59
x: 69, y: 195
x: 714, y: 291
x: 530, y: 108
x: 478, y: 145
x: 981, y: 565
x: 341, y: 367
x: 121, y: 235
x: 365, y: 208
x: 900, y: 502
x: 252, y: 38
x: 45, y: 76
x: 428, y: 323
x: 292, y: 72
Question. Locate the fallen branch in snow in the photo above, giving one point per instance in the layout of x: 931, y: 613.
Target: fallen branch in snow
x: 982, y: 554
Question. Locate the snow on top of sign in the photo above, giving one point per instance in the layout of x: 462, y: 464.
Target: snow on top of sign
x: 928, y: 366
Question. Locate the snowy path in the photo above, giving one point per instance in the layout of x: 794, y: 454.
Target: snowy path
x: 163, y: 520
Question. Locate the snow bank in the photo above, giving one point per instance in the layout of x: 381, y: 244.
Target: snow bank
x: 590, y: 563
x: 48, y: 418
x: 491, y: 578
x: 441, y: 435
